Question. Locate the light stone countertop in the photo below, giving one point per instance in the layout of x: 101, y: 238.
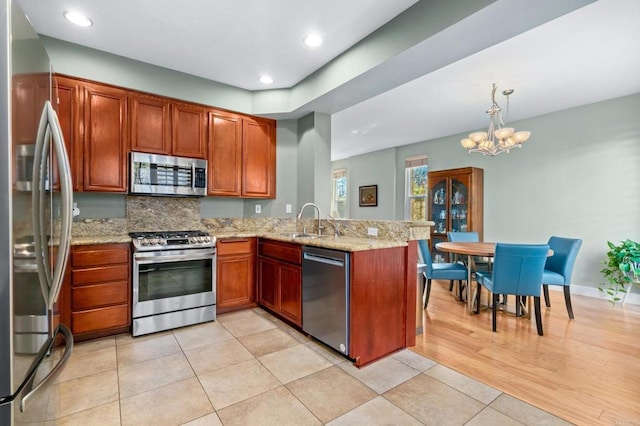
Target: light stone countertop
x: 102, y: 239
x: 329, y: 241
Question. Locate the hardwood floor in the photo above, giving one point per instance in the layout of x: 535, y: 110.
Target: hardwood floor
x: 586, y: 371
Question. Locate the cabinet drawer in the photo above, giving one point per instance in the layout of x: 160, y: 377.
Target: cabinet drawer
x: 286, y: 252
x: 94, y: 296
x: 106, y: 254
x: 100, y: 319
x: 101, y: 274
x: 234, y: 246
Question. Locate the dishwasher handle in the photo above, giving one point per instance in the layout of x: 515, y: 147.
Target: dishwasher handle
x: 324, y: 259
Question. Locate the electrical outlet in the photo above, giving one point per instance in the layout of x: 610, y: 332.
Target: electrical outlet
x: 372, y: 232
x: 288, y: 208
x: 258, y: 208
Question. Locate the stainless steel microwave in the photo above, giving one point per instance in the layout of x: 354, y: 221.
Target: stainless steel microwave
x: 153, y: 174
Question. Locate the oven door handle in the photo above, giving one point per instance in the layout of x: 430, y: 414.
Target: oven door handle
x: 145, y: 260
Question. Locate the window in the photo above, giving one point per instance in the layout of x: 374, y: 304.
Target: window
x: 339, y: 193
x: 416, y: 188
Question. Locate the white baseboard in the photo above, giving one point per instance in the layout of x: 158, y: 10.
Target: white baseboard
x: 583, y: 290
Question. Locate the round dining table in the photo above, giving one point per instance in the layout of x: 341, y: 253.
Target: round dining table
x: 471, y: 249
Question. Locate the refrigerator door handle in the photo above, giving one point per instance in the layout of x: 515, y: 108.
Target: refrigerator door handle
x: 49, y: 128
x: 68, y: 347
x: 66, y: 204
x: 39, y: 175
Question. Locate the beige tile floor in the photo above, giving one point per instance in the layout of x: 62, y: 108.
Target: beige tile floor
x: 248, y: 368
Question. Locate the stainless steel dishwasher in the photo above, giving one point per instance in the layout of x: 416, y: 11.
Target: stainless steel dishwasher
x: 325, y: 296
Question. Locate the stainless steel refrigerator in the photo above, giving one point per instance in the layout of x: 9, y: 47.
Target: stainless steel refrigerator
x: 35, y: 224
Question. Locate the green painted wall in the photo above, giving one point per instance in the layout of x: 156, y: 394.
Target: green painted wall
x: 578, y: 176
x: 375, y: 168
x: 314, y: 161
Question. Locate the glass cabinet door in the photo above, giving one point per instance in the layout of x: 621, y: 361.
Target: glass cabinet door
x: 459, y: 206
x: 439, y: 215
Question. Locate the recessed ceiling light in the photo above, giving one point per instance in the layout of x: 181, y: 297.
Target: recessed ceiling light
x: 265, y: 79
x: 313, y: 40
x: 78, y: 19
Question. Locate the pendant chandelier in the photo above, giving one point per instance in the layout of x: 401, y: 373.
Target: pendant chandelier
x: 496, y: 139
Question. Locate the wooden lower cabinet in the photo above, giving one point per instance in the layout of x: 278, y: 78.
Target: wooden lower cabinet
x: 280, y: 279
x: 235, y: 277
x: 99, y: 290
x: 382, y: 302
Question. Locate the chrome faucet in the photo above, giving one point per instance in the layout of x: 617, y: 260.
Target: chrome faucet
x: 319, y: 216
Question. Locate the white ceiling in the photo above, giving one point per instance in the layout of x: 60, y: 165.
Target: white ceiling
x: 233, y: 42
x: 585, y: 56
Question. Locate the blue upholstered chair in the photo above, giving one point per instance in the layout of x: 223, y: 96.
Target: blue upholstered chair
x: 463, y: 237
x: 517, y: 269
x: 559, y: 267
x: 438, y: 271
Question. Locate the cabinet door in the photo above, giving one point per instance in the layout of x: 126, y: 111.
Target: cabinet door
x: 189, y: 131
x: 268, y: 277
x: 291, y: 292
x: 258, y: 159
x: 439, y: 193
x: 234, y: 281
x: 68, y: 106
x: 459, y: 203
x: 150, y: 124
x: 105, y: 139
x: 225, y: 154
x: 29, y: 93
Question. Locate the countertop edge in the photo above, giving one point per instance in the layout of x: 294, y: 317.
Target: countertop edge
x: 351, y: 244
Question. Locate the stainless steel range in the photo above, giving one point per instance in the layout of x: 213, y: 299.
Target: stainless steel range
x: 174, y: 280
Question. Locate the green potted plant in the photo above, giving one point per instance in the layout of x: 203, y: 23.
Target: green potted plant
x: 622, y: 267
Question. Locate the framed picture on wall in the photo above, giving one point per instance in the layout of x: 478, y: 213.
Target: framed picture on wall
x: 368, y: 196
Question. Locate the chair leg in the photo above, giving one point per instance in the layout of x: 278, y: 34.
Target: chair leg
x: 567, y: 301
x: 536, y: 302
x: 545, y: 290
x: 478, y: 299
x: 427, y: 293
x: 493, y: 310
x: 450, y: 285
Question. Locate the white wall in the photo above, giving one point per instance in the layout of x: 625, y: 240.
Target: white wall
x: 578, y: 176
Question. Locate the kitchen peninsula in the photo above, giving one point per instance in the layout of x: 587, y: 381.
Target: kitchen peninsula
x: 382, y: 270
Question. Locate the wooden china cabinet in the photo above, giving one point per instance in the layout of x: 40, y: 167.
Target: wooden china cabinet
x: 455, y: 204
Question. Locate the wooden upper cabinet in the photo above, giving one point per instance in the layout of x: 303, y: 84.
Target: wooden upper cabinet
x: 105, y: 138
x: 225, y: 154
x: 258, y: 159
x: 150, y: 124
x: 189, y: 138
x: 67, y: 102
x: 29, y: 93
